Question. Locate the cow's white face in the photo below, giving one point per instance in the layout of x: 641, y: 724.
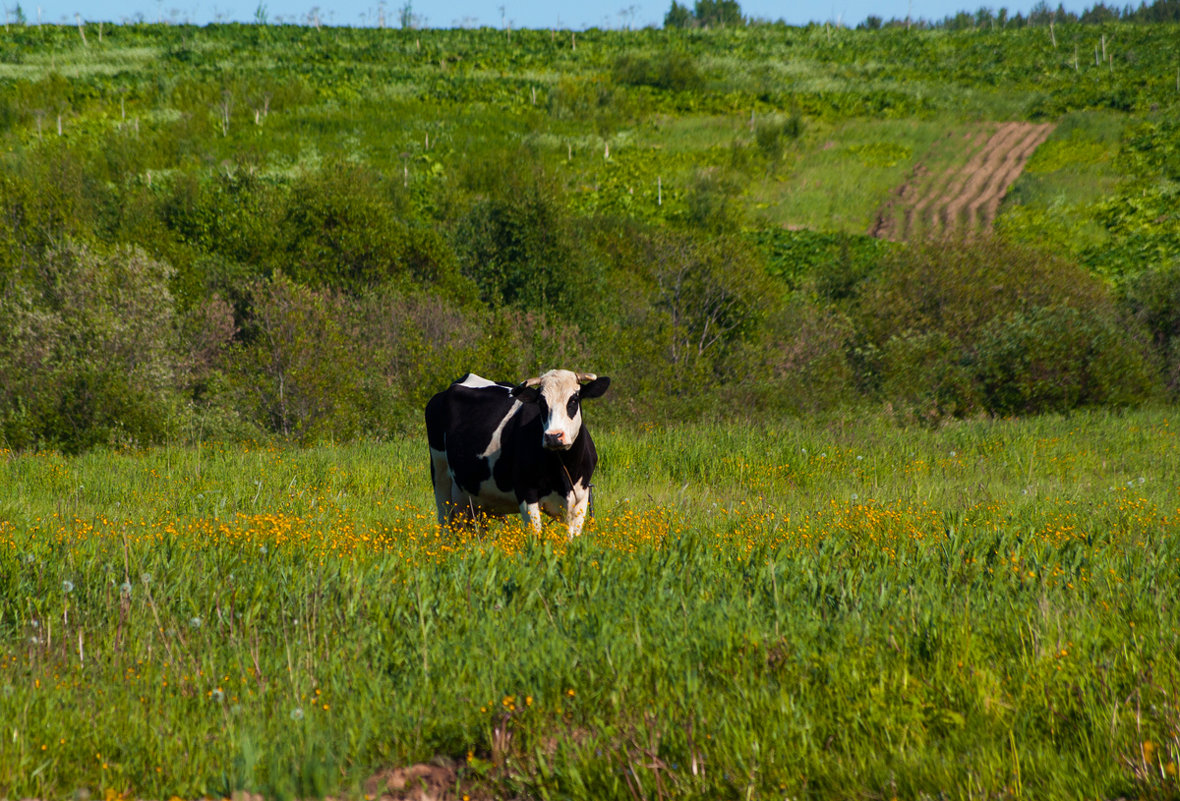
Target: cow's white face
x: 559, y: 393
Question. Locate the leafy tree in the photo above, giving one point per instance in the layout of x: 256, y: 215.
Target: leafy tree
x: 88, y: 344
x: 678, y: 16
x: 717, y: 13
x: 705, y: 14
x: 519, y: 245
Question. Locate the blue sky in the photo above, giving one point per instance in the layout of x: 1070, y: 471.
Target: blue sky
x: 518, y: 13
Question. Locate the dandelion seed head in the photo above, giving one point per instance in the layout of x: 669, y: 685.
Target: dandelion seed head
x: 67, y: 586
x: 297, y: 713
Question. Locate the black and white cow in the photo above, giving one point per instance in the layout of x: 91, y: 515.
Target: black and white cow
x: 496, y: 449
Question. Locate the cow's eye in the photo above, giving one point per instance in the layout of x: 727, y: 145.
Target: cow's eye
x: 571, y: 408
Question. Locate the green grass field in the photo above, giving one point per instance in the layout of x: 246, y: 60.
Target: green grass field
x: 787, y: 610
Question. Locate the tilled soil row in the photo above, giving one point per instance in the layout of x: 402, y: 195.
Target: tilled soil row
x: 961, y: 201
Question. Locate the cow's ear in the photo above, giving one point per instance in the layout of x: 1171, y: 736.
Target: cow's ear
x: 525, y: 393
x: 596, y: 388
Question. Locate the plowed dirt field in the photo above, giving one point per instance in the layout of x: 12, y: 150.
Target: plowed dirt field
x: 960, y: 201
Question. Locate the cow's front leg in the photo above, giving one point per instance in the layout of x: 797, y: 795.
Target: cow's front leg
x: 577, y: 510
x: 531, y: 512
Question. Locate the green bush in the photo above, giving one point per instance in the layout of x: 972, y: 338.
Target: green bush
x: 928, y: 377
x: 949, y: 330
x: 959, y: 288
x: 88, y: 344
x: 295, y: 372
x: 1153, y: 299
x: 666, y: 71
x: 1053, y: 359
x: 799, y: 360
x: 346, y: 227
x: 773, y: 134
x: 518, y: 245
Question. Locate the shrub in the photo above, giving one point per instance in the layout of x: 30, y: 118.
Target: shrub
x: 343, y: 228
x: 715, y: 296
x: 1053, y: 359
x: 592, y: 98
x: 959, y: 288
x: 712, y: 203
x: 992, y: 326
x: 800, y: 362
x: 667, y: 71
x: 772, y: 134
x: 518, y: 245
x: 1153, y: 299
x: 295, y: 371
x: 87, y: 351
x: 927, y: 377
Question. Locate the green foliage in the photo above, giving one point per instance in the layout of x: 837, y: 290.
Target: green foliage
x: 678, y: 16
x: 704, y: 14
x: 774, y: 134
x: 1058, y: 358
x: 714, y: 297
x: 298, y: 375
x: 800, y: 365
x: 670, y: 72
x: 953, y: 330
x: 88, y: 351
x: 717, y: 13
x: 553, y: 198
x: 833, y: 265
x: 1152, y: 298
x: 518, y: 246
x: 346, y: 227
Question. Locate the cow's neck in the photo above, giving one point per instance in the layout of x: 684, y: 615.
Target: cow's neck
x: 571, y: 459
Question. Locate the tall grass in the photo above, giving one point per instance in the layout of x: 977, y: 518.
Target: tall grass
x: 763, y: 610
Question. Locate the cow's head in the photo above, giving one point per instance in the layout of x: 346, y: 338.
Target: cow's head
x: 560, y: 394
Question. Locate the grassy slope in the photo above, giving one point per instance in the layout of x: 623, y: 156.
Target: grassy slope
x: 379, y: 94
x: 815, y: 611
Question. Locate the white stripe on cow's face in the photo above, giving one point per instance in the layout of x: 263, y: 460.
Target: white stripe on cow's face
x: 562, y: 422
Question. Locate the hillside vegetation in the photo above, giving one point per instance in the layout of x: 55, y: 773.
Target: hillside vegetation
x: 247, y: 231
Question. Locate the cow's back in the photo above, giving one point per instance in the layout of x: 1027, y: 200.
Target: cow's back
x: 472, y: 422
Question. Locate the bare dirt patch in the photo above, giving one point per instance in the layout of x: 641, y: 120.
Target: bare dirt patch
x: 421, y: 782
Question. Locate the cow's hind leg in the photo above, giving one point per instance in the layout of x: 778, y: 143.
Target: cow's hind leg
x: 531, y: 512
x: 440, y: 476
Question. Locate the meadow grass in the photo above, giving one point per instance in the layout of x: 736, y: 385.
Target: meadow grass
x: 789, y: 609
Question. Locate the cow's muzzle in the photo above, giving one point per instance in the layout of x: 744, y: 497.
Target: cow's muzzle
x: 556, y: 441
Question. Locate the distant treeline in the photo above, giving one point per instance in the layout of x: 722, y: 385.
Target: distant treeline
x: 721, y: 13
x: 1040, y: 14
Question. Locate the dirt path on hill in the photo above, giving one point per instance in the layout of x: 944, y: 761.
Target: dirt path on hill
x: 963, y: 199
